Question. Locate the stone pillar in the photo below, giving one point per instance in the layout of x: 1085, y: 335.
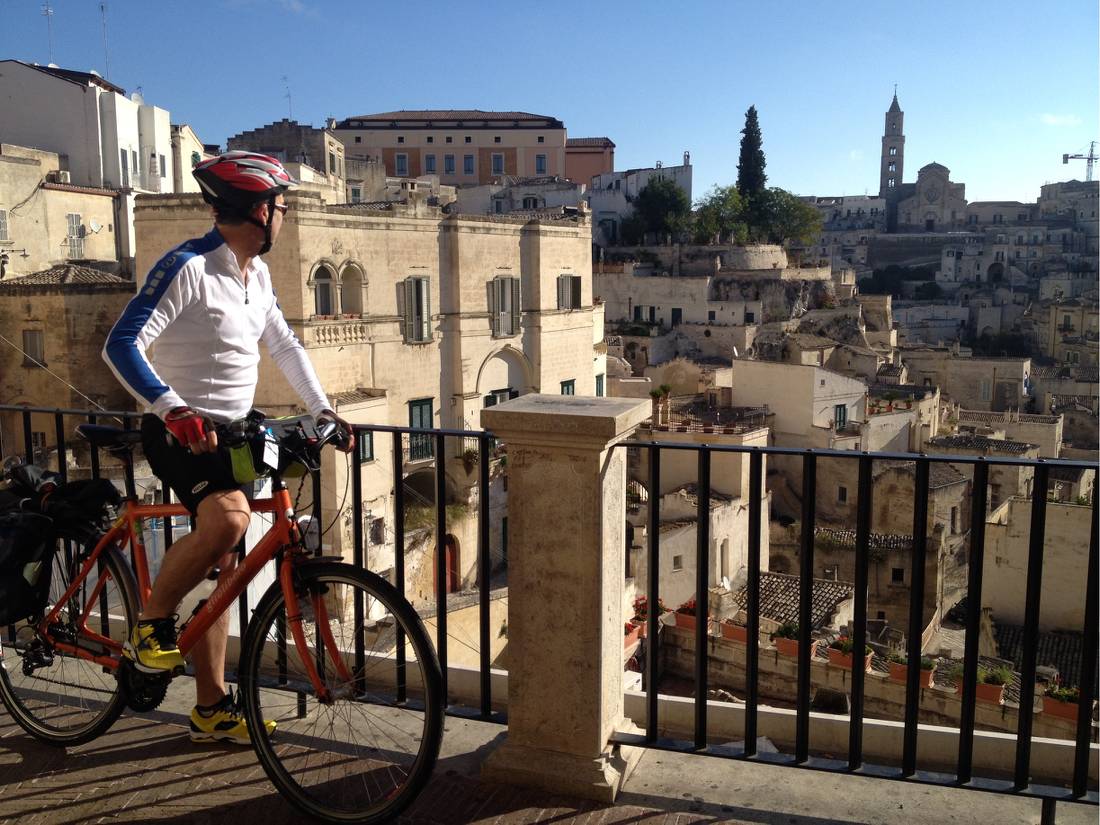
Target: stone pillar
x: 566, y: 525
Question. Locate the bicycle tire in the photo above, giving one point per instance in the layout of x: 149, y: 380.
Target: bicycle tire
x: 375, y: 707
x: 67, y: 700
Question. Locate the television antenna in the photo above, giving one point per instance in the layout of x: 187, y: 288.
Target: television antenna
x: 47, y: 12
x: 289, y: 103
x: 106, y: 51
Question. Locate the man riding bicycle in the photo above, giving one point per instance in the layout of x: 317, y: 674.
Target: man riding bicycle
x: 207, y: 304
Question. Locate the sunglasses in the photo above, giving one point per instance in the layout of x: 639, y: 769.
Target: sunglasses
x: 283, y: 208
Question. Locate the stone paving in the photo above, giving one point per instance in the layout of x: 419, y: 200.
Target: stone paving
x: 145, y: 769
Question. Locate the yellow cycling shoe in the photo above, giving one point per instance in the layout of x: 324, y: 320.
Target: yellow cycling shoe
x: 222, y: 722
x: 152, y: 647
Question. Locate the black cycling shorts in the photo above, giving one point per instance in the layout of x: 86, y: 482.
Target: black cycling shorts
x: 191, y: 477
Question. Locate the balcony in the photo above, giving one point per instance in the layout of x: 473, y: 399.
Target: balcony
x: 567, y: 498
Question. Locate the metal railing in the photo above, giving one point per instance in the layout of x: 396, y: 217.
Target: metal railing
x: 1077, y: 789
x: 1077, y: 786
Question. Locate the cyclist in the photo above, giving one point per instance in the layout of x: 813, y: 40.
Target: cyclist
x: 207, y: 304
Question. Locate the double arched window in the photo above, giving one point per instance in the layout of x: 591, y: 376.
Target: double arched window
x: 338, y: 290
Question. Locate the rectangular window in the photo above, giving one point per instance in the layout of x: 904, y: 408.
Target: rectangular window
x: 448, y: 164
x: 417, y: 310
x: 377, y: 531
x: 637, y: 312
x: 504, y: 306
x: 467, y: 164
x: 358, y: 138
x: 496, y: 138
x: 134, y: 166
x: 893, y: 151
x: 429, y: 164
x: 890, y: 183
x: 498, y: 164
x: 840, y: 416
x: 400, y: 138
x: 469, y: 139
x: 599, y: 385
x: 449, y: 139
x: 710, y: 315
x: 540, y: 164
x: 364, y: 443
x: 569, y: 292
x: 420, y: 418
x: 985, y: 390
x: 842, y: 495
x: 897, y: 575
x: 542, y: 139
x: 430, y: 139
x: 830, y: 573
x: 163, y: 166
x: 568, y: 387
x: 401, y: 165
x: 677, y: 562
x: 34, y: 348
x: 891, y: 167
x: 356, y: 194
x: 954, y: 520
x: 123, y: 157
x: 3, y: 224
x: 750, y: 317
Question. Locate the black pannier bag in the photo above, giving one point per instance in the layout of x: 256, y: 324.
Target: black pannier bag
x: 27, y: 546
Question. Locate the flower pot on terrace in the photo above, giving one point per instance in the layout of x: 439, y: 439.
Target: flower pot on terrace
x: 899, y: 673
x: 789, y: 647
x: 739, y: 633
x: 1063, y: 710
x: 994, y: 694
x: 632, y: 637
x: 842, y: 659
x: 685, y: 620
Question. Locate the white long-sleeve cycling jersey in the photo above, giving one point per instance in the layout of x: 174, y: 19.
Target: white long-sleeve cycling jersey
x: 207, y: 325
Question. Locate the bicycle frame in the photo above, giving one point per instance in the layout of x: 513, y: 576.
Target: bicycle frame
x: 283, y: 535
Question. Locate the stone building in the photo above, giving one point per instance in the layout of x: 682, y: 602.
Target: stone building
x: 1044, y: 431
x: 937, y: 204
x: 462, y: 146
x: 1005, y: 480
x: 976, y: 383
x: 45, y: 222
x: 187, y: 153
x: 611, y: 196
x: 587, y: 157
x: 314, y: 157
x: 55, y: 323
x: 416, y: 318
x: 510, y: 194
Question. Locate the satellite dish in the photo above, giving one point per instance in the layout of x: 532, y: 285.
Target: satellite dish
x: 95, y: 225
x: 52, y: 66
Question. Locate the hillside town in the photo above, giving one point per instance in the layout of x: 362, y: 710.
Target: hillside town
x: 436, y: 264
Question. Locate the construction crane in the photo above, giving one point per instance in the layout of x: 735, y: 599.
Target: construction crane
x: 1089, y: 159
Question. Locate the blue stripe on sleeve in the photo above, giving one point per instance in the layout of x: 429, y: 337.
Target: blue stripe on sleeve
x: 121, y: 349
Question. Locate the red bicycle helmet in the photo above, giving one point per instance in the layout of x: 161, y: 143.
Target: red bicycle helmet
x: 237, y: 181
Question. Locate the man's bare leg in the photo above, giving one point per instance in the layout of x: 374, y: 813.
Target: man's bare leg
x: 208, y: 654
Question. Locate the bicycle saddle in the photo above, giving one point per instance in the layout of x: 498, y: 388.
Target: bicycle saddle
x: 109, y: 438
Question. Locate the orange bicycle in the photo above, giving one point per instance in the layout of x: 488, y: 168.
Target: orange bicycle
x: 332, y: 653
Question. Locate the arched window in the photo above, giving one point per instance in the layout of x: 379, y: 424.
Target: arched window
x: 351, y: 290
x: 324, y: 291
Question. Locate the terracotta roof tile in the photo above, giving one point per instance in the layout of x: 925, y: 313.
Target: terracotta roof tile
x: 601, y: 142
x: 979, y: 444
x: 779, y: 594
x: 62, y: 274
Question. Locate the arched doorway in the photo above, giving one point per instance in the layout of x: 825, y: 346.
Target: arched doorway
x: 451, y: 563
x: 996, y: 273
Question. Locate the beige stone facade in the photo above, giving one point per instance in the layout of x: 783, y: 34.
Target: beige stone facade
x: 463, y: 147
x: 972, y: 382
x: 44, y: 222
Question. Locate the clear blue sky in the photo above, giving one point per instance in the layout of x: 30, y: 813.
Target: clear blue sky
x: 996, y: 92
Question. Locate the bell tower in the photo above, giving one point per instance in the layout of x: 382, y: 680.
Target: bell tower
x: 892, y: 163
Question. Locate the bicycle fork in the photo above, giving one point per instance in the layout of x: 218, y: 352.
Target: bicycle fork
x: 325, y: 644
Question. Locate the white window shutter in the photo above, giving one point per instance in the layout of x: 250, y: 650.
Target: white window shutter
x: 515, y: 305
x: 408, y: 310
x: 491, y: 290
x: 426, y: 310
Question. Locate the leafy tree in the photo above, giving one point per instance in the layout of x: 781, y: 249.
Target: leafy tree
x: 1012, y: 344
x: 750, y: 166
x: 663, y: 208
x: 632, y: 230
x: 720, y: 217
x: 784, y: 218
x: 929, y: 291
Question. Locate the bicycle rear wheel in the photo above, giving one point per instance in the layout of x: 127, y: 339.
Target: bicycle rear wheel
x: 364, y: 754
x: 56, y: 696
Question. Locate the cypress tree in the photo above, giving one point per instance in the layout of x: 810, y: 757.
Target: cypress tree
x: 750, y: 166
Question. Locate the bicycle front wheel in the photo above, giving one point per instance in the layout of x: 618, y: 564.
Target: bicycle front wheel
x: 361, y: 751
x: 52, y: 693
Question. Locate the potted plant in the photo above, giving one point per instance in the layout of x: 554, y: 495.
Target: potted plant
x: 631, y: 634
x: 469, y: 460
x: 685, y: 614
x: 1062, y: 701
x: 732, y: 630
x: 991, y: 683
x: 785, y: 640
x: 641, y: 613
x: 841, y: 653
x: 899, y: 669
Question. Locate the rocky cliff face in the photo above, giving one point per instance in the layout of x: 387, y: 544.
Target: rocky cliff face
x: 783, y: 300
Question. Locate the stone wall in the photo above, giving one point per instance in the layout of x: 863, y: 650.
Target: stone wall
x: 883, y: 699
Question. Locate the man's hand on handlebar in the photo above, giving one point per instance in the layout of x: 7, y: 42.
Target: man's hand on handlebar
x: 192, y: 430
x: 345, y: 441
